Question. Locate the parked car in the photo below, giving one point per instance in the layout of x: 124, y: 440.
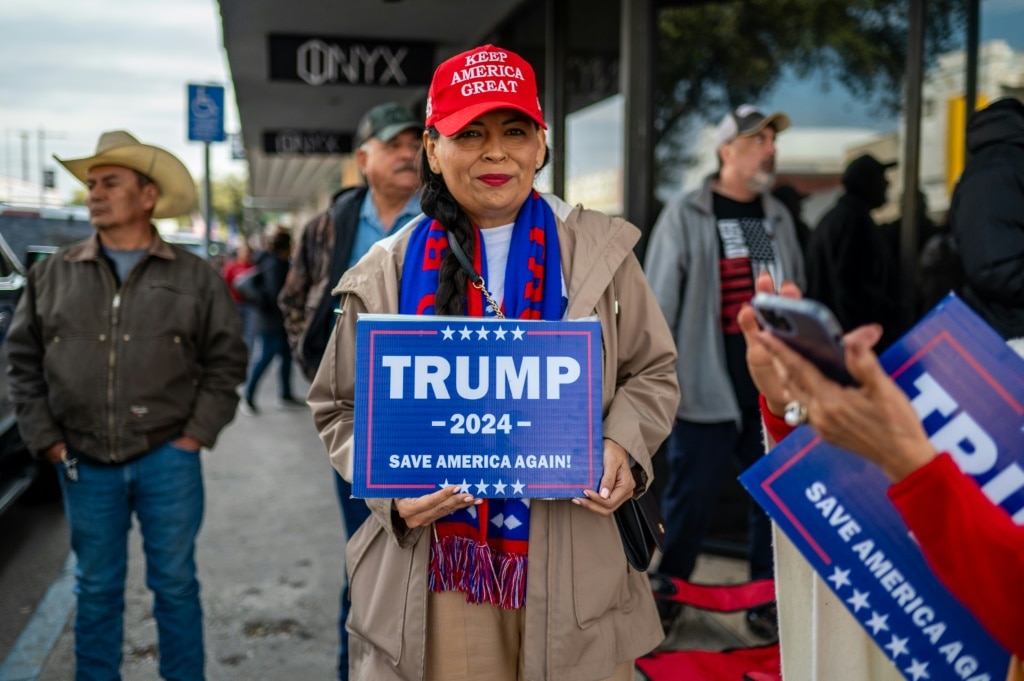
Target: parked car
x: 20, y: 474
x: 196, y: 244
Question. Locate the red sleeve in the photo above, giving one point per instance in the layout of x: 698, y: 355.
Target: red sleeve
x: 775, y: 425
x: 973, y: 546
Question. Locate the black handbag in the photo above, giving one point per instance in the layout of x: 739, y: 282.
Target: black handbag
x: 641, y: 528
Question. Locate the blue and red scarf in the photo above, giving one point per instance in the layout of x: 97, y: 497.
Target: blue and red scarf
x: 482, y: 550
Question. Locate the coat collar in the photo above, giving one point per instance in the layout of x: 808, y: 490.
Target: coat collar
x: 91, y: 248
x: 593, y: 246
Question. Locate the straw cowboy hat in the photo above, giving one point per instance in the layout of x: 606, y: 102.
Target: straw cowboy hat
x: 120, y: 148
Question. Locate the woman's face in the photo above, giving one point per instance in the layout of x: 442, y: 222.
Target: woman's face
x: 489, y: 165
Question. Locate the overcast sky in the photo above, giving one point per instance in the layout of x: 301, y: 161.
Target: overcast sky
x: 75, y: 68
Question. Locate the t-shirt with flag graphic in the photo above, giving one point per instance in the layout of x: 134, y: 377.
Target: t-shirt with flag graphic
x: 746, y: 248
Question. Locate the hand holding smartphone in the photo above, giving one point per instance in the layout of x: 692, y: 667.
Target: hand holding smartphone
x: 809, y: 328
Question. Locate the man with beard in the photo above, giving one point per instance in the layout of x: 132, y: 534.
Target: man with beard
x: 849, y: 265
x: 706, y: 250
x: 388, y: 142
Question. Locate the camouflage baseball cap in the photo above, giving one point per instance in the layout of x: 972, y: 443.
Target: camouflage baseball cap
x: 384, y: 122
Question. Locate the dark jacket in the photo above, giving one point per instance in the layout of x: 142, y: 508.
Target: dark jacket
x: 317, y: 265
x: 987, y: 217
x: 273, y: 273
x: 849, y: 268
x: 115, y: 372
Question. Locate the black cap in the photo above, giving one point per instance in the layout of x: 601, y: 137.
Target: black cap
x: 384, y: 122
x: 865, y: 166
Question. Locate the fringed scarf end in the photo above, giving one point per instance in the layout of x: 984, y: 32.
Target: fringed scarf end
x: 483, y: 574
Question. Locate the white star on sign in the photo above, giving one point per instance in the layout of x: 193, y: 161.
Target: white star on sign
x: 481, y: 487
x: 481, y: 333
x: 517, y: 488
x: 499, y: 487
x: 517, y: 334
x: 919, y: 670
x: 877, y: 622
x: 839, y: 577
x: 499, y: 333
x: 858, y: 600
x: 447, y: 332
x: 444, y: 484
x: 897, y: 645
x: 465, y: 333
x: 464, y: 487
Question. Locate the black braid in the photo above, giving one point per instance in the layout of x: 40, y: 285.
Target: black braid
x: 438, y: 203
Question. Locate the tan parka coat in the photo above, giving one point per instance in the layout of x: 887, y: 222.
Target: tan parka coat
x: 587, y: 610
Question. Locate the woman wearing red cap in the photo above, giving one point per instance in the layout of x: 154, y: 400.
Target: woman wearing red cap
x: 551, y: 595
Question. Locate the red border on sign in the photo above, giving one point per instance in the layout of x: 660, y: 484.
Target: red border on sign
x: 943, y: 336
x: 369, y: 420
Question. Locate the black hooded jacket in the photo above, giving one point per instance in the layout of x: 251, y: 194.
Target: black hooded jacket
x: 849, y: 267
x: 987, y: 216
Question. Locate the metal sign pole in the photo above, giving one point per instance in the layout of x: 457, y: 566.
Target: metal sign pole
x: 207, y: 199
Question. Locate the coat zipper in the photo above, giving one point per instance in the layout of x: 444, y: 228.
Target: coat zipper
x: 114, y: 320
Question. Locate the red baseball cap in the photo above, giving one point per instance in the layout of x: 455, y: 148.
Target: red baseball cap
x: 477, y: 81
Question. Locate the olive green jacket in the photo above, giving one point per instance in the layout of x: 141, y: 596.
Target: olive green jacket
x: 116, y: 371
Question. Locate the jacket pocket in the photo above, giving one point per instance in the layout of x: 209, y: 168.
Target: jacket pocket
x: 76, y: 370
x: 168, y: 392
x: 378, y: 573
x: 600, y: 572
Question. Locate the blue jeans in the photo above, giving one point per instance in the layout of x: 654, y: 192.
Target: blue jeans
x: 274, y: 343
x: 354, y: 513
x: 164, y: 488
x: 699, y: 459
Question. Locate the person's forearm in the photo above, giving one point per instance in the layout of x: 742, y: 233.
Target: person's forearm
x: 974, y: 547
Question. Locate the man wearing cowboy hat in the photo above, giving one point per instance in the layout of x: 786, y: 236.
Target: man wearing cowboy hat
x: 125, y: 353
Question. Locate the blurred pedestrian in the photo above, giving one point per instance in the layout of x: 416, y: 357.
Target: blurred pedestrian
x: 234, y: 268
x: 793, y: 199
x: 553, y: 597
x: 939, y: 270
x: 706, y: 249
x: 387, y: 151
x: 849, y: 264
x: 986, y: 216
x: 268, y: 324
x: 125, y: 353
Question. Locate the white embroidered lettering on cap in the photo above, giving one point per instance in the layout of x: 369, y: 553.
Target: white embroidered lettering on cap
x: 478, y: 57
x: 481, y: 86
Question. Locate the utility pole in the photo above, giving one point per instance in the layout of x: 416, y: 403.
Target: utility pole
x: 24, y: 154
x: 41, y: 136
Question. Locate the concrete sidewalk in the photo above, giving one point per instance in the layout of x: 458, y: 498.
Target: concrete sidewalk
x: 271, y: 556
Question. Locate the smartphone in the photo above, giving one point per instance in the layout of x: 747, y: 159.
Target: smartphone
x: 808, y: 327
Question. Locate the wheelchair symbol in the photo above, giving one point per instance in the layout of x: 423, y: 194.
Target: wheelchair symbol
x: 204, y: 106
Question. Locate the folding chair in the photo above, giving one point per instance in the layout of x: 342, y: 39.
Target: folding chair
x: 753, y: 663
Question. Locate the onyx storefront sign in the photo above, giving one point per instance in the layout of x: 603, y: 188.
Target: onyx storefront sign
x: 306, y: 142
x: 326, y: 60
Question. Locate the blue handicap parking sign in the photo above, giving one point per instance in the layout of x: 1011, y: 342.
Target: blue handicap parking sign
x: 206, y: 113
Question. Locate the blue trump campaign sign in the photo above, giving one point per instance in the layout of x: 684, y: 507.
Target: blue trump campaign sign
x: 966, y: 385
x: 506, y: 408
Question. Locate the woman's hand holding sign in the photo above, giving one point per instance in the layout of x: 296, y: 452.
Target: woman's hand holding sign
x: 422, y: 511
x: 617, y: 483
